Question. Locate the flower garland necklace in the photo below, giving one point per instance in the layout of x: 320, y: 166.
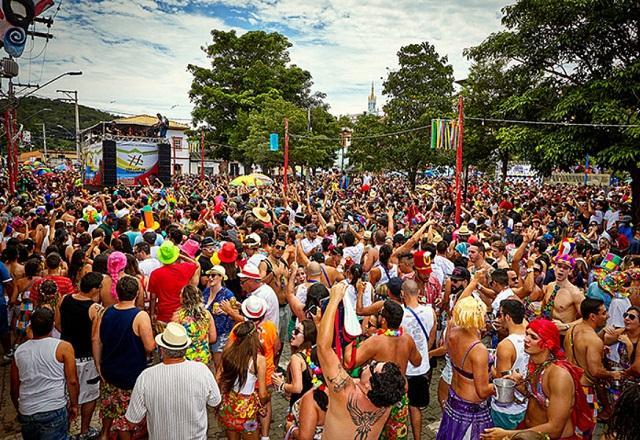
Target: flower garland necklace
x: 315, y: 371
x: 392, y: 333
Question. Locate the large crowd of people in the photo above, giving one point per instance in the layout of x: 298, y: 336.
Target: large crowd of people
x: 347, y: 295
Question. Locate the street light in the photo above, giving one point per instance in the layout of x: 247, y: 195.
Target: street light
x: 72, y: 95
x: 72, y: 73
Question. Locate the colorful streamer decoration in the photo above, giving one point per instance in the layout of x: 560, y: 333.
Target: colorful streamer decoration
x: 444, y: 134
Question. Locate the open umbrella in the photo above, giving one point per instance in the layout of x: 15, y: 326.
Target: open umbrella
x: 255, y: 179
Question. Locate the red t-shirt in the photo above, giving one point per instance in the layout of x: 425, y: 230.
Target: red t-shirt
x: 166, y: 283
x: 65, y: 287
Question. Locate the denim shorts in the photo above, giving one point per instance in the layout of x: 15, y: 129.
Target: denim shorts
x: 218, y: 346
x: 48, y: 425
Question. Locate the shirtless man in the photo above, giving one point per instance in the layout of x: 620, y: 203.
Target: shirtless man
x: 358, y: 408
x: 389, y: 345
x: 275, y: 272
x: 552, y: 388
x: 561, y: 302
x: 585, y: 349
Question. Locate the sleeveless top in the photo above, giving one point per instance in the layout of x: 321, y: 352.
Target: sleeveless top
x: 198, y: 332
x: 249, y: 386
x: 385, y: 274
x: 76, y: 325
x: 42, y: 381
x: 306, y: 383
x: 520, y: 364
x: 123, y: 354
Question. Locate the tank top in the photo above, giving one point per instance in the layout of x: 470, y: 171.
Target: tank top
x: 306, y: 383
x: 76, y: 325
x: 250, y: 385
x: 42, y: 381
x: 386, y: 274
x: 520, y: 364
x: 123, y: 354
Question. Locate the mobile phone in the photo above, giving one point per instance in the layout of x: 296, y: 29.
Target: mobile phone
x: 312, y: 310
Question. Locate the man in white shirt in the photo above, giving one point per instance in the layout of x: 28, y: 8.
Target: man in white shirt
x: 500, y: 279
x: 252, y: 284
x: 419, y: 323
x: 146, y: 262
x: 441, y: 261
x: 311, y: 243
x: 174, y: 395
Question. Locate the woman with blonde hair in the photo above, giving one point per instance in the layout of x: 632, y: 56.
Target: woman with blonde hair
x: 243, y: 384
x: 198, y: 322
x: 467, y: 413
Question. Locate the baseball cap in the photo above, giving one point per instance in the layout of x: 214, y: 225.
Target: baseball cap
x: 460, y: 273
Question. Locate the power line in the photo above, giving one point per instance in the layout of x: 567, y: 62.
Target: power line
x: 566, y: 124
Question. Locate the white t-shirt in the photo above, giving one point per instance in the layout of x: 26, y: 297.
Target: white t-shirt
x: 174, y: 399
x: 269, y: 295
x: 495, y: 305
x: 149, y: 265
x: 307, y: 244
x: 355, y: 252
x: 412, y: 327
x: 443, y: 263
x: 617, y: 308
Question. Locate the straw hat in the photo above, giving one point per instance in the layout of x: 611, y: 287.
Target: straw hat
x: 219, y: 270
x: 174, y: 337
x: 261, y: 214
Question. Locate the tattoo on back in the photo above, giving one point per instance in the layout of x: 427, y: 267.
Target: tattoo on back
x: 364, y: 420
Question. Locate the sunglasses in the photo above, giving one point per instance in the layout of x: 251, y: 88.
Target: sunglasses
x: 297, y: 331
x: 280, y: 248
x: 537, y: 269
x: 514, y: 279
x: 213, y: 275
x: 630, y: 316
x: 372, y: 366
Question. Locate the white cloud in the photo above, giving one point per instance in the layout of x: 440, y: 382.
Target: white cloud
x: 136, y: 52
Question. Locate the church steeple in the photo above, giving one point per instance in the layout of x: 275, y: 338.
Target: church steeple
x: 371, y: 107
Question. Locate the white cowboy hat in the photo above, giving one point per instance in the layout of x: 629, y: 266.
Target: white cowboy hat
x: 254, y: 307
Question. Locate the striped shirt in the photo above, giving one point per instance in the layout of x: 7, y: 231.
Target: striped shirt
x: 174, y: 398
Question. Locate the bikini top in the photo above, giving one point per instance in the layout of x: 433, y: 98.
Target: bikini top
x: 461, y: 372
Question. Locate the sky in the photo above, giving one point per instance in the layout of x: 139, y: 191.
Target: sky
x: 134, y: 53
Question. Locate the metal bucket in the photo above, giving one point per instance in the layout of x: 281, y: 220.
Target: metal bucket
x: 505, y: 390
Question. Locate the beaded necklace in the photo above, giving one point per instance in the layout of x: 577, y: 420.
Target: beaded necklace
x: 315, y: 371
x: 392, y: 333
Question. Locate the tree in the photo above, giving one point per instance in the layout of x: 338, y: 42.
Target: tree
x: 312, y: 149
x: 420, y: 90
x: 489, y: 91
x: 366, y: 152
x: 243, y: 70
x: 588, y: 53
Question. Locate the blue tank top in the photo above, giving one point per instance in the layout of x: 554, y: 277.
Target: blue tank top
x: 123, y: 354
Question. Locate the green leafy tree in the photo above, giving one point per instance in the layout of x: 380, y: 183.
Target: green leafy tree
x: 243, y: 70
x: 587, y: 52
x: 313, y: 149
x: 489, y: 92
x: 366, y: 151
x: 420, y: 90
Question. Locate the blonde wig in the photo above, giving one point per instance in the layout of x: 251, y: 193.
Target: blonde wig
x: 469, y: 313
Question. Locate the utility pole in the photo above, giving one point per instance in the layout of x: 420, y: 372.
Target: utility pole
x: 286, y: 152
x: 44, y: 141
x: 72, y: 95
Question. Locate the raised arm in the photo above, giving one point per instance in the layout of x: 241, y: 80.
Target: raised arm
x: 337, y: 378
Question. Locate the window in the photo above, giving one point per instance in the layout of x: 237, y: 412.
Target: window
x: 176, y: 142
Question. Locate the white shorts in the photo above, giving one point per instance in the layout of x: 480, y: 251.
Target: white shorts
x: 88, y: 379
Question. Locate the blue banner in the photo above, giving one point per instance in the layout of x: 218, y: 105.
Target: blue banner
x: 273, y: 142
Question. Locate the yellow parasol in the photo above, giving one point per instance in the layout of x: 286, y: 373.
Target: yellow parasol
x: 254, y: 179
